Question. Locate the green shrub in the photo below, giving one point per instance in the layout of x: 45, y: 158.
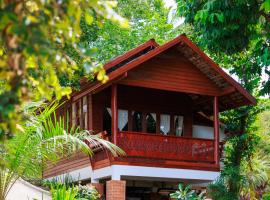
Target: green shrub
x: 87, y: 193
x: 185, y: 193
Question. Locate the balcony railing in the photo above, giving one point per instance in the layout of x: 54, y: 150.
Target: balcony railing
x: 166, y: 147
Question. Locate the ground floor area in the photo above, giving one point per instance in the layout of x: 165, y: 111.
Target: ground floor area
x: 123, y: 182
x: 142, y: 189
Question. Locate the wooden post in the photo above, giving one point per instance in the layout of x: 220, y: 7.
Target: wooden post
x: 130, y: 127
x: 144, y: 123
x: 90, y: 112
x: 216, y: 130
x: 82, y: 117
x: 158, y: 123
x: 114, y: 110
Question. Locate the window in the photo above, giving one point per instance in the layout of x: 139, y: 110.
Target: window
x: 164, y: 124
x: 151, y: 122
x: 178, y: 125
x: 122, y: 120
x: 137, y: 121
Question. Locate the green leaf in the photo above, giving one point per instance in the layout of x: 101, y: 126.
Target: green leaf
x: 89, y: 18
x: 265, y: 6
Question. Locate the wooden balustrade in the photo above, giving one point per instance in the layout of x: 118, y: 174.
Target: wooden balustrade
x: 166, y: 147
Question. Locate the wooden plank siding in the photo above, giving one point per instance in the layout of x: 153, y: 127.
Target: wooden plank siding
x: 173, y: 74
x: 65, y: 165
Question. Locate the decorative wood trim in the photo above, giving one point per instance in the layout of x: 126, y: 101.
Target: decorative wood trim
x: 130, y: 53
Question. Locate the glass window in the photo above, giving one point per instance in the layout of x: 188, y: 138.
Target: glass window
x: 164, y: 124
x: 137, y: 121
x: 178, y: 125
x: 122, y: 120
x: 151, y: 122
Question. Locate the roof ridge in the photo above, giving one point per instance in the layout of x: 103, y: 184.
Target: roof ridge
x: 130, y: 53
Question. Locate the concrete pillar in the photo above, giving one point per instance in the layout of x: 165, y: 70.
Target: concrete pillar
x: 116, y: 189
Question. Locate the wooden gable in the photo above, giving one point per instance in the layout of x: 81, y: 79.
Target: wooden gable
x: 173, y: 74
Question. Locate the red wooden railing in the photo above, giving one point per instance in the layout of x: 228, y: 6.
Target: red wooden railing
x: 166, y: 147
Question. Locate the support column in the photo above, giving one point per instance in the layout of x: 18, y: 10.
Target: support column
x: 116, y: 189
x: 216, y: 130
x: 114, y: 109
x: 90, y: 111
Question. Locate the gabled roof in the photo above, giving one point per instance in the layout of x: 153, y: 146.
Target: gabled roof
x: 232, y: 93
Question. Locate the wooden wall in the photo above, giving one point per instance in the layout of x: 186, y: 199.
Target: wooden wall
x: 171, y: 73
x: 65, y: 165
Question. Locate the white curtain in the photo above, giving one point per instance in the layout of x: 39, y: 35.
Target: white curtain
x: 109, y: 111
x: 154, y: 116
x: 122, y: 119
x: 179, y: 125
x: 165, y: 124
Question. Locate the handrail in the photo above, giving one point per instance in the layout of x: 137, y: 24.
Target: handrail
x: 165, y: 136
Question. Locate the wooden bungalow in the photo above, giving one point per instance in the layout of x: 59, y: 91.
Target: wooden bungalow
x: 161, y: 106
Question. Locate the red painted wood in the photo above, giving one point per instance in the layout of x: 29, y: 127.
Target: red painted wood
x: 130, y: 53
x: 90, y: 111
x: 166, y: 147
x: 82, y: 117
x: 249, y: 97
x: 114, y: 109
x: 216, y: 130
x: 178, y: 75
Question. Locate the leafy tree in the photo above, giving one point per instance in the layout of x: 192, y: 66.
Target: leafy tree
x: 42, y: 137
x: 148, y: 19
x: 236, y: 35
x: 235, y: 28
x: 38, y: 43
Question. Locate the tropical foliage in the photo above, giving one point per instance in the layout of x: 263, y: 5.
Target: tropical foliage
x: 43, y: 138
x: 39, y: 41
x: 148, y: 20
x: 64, y: 192
x: 236, y: 35
x: 185, y: 193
